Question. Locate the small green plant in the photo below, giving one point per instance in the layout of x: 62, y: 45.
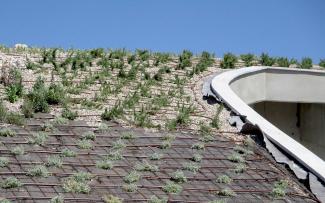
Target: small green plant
x: 112, y: 199
x: 196, y: 158
x: 114, y: 155
x: 10, y: 182
x: 235, y: 157
x: 18, y: 150
x: 12, y: 93
x: 242, y: 150
x: 249, y: 142
x: 60, y: 121
x: 185, y: 59
x: 198, y: 146
x: 54, y: 161
x: 84, y: 144
x: 215, y: 123
x: 57, y: 199
x: 4, y: 161
x: 240, y: 168
x: 248, y: 59
x: 68, y: 114
x: 155, y: 199
x: 145, y: 166
x: 82, y: 176
x: 306, y: 63
x: 68, y: 153
x: 132, y: 177
x: 224, y: 179
x: 74, y: 186
x: 322, y: 63
x: 55, y: 94
x: 229, y: 61
x: 38, y: 138
x: 169, y: 137
x: 6, y: 132
x: 226, y: 192
x: 179, y: 177
x: 102, y: 128
x: 89, y: 136
x: 47, y: 127
x: 266, y: 60
x: 38, y: 171
x: 127, y: 136
x: 190, y: 166
x: 279, y: 189
x: 104, y: 164
x: 130, y: 187
x: 155, y: 156
x: 27, y: 108
x: 172, y: 188
x: 118, y: 144
x: 165, y: 144
x: 14, y: 118
x: 283, y: 62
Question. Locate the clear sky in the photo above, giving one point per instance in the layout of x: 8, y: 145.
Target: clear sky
x: 292, y: 28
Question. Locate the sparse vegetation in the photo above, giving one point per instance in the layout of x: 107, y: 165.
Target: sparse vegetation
x: 68, y: 153
x: 248, y: 59
x: 10, y: 182
x: 104, y: 164
x: 38, y: 171
x: 7, y: 132
x: 146, y: 166
x: 229, y: 61
x: 172, y: 188
x: 179, y: 177
x: 4, y: 161
x: 132, y: 177
x: 224, y: 179
x: 38, y: 138
x: 279, y: 189
x: 130, y: 187
x: 190, y: 166
x: 18, y: 150
x: 306, y: 63
x: 226, y: 192
x: 155, y: 199
x: 266, y: 60
x: 57, y: 199
x: 112, y: 199
x: 54, y: 161
x: 84, y: 144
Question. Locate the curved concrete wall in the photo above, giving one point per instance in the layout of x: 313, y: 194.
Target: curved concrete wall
x: 243, y: 87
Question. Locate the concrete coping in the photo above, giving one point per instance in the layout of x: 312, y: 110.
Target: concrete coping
x: 221, y: 86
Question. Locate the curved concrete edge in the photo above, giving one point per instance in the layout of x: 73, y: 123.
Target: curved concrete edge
x: 220, y: 85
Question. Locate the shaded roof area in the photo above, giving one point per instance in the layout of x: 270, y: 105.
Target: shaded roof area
x: 203, y: 164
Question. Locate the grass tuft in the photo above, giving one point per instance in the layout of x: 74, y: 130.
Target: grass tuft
x: 10, y: 182
x: 172, y: 188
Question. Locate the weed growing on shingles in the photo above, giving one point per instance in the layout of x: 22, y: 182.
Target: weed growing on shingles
x: 4, y: 161
x: 132, y: 177
x: 84, y: 144
x: 145, y: 166
x: 166, y: 144
x: 240, y: 168
x: 68, y: 114
x: 248, y: 59
x: 217, y: 201
x: 5, y: 201
x: 7, y: 132
x: 179, y: 177
x: 155, y: 156
x: 57, y: 199
x: 130, y: 187
x: 60, y: 121
x: 155, y: 199
x: 114, y: 155
x: 27, y: 108
x: 229, y: 61
x: 74, y: 186
x: 226, y: 192
x: 88, y: 136
x: 102, y: 128
x: 54, y: 161
x: 112, y: 199
x: 249, y: 142
x: 279, y: 189
x: 68, y: 153
x: 235, y: 157
x: 127, y: 136
x: 196, y: 158
x: 10, y: 182
x: 82, y: 176
x: 38, y: 171
x: 215, y: 123
x: 242, y: 150
x: 172, y: 188
x: 47, y: 127
x: 119, y: 144
x: 193, y: 167
x: 224, y: 179
x: 104, y: 164
x: 198, y: 146
x: 38, y: 138
x: 18, y: 150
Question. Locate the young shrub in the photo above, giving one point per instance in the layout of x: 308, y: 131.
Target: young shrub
x: 283, y: 62
x: 179, y: 177
x: 112, y: 199
x: 68, y: 114
x: 55, y: 94
x: 47, y: 127
x: 104, y: 164
x: 306, y: 63
x: 229, y: 61
x: 38, y: 138
x: 38, y: 96
x: 132, y: 177
x: 243, y: 151
x: 130, y: 187
x: 322, y: 63
x: 38, y: 171
x: 266, y: 60
x: 4, y: 161
x: 185, y: 59
x: 57, y: 199
x: 193, y: 167
x: 7, y: 132
x: 97, y: 53
x: 27, y: 108
x: 18, y: 150
x: 172, y: 188
x: 82, y: 176
x: 248, y: 59
x: 68, y: 153
x: 102, y: 128
x: 10, y: 182
x: 89, y: 136
x: 14, y: 90
x: 224, y: 179
x: 226, y: 192
x: 155, y: 199
x: 54, y: 161
x: 12, y: 93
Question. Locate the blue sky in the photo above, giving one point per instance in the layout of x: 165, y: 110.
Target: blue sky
x: 292, y: 28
